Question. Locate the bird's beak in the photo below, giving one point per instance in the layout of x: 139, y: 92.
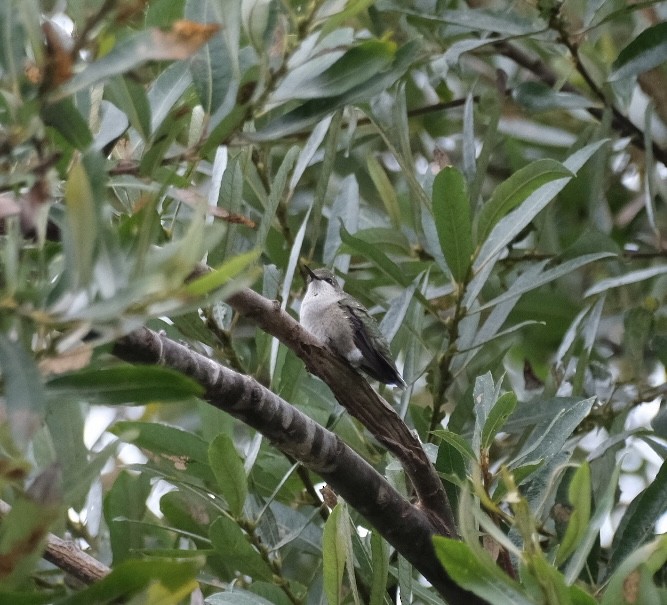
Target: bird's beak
x: 307, y: 273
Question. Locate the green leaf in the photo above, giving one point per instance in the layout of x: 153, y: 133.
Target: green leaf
x: 215, y: 67
x: 23, y: 391
x: 505, y: 23
x: 124, y: 384
x: 385, y: 189
x: 236, y: 596
x: 231, y: 542
x: 451, y: 212
x: 544, y: 277
x: 68, y: 121
x: 229, y: 472
x: 357, y: 66
x: 12, y: 40
x: 653, y: 556
x: 514, y: 191
x: 646, y: 51
x: 579, y: 495
x: 375, y: 254
x: 219, y: 277
x: 591, y: 530
x: 456, y: 441
x: 629, y: 278
x: 484, y: 396
x: 164, y: 582
x: 497, y: 417
x: 508, y: 227
x: 278, y: 185
x: 334, y: 554
x: 380, y: 566
x: 82, y: 219
x: 476, y: 571
x: 638, y: 522
x: 180, y: 450
x: 166, y: 89
x: 131, y: 98
x: 22, y: 537
x: 149, y: 45
x: 314, y: 110
x: 537, y: 96
x: 124, y: 506
x: 531, y: 413
x: 548, y: 437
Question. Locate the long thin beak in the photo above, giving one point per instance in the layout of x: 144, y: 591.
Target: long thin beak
x: 307, y: 273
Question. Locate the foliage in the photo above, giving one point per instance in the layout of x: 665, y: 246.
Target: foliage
x: 489, y: 180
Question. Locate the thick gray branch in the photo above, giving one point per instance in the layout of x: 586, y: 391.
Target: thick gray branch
x: 403, y: 525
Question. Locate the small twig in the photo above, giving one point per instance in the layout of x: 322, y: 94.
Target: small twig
x: 66, y: 555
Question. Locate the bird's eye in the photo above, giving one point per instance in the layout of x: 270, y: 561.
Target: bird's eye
x: 329, y: 281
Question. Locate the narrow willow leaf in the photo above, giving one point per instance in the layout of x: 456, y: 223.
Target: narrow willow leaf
x: 538, y: 96
x: 222, y: 275
x: 82, y: 220
x: 544, y: 277
x: 237, y: 596
x: 295, y: 253
x: 638, y: 522
x: 512, y: 192
x: 358, y: 65
x: 351, y: 9
x: 379, y: 258
x: 314, y: 110
x: 23, y: 390
x: 505, y: 24
x: 646, y: 51
x: 166, y: 89
x: 579, y: 496
x: 231, y: 542
x: 508, y: 227
x: 12, y: 40
x: 629, y: 278
x: 385, y: 189
x: 333, y: 555
x: 134, y: 577
x: 229, y: 472
x: 483, y: 400
x: 180, y: 450
x: 380, y: 557
x: 307, y: 154
x: 475, y: 571
x: 456, y: 441
x: 591, y: 530
x: 451, y: 212
x: 548, y: 438
x: 497, y: 417
x: 68, y: 121
x: 124, y: 384
x: 150, y: 45
x: 131, y: 98
x: 275, y: 196
x: 652, y: 555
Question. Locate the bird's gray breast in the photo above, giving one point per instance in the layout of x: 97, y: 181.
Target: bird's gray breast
x: 325, y: 320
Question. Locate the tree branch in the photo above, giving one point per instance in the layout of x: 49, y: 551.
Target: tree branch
x: 403, y: 525
x: 620, y: 122
x: 359, y: 399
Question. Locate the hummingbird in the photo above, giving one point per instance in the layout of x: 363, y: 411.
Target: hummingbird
x: 345, y: 326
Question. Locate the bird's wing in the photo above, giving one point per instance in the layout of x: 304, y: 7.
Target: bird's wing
x: 377, y: 360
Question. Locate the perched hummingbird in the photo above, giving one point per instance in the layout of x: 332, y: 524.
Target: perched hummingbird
x: 344, y: 325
